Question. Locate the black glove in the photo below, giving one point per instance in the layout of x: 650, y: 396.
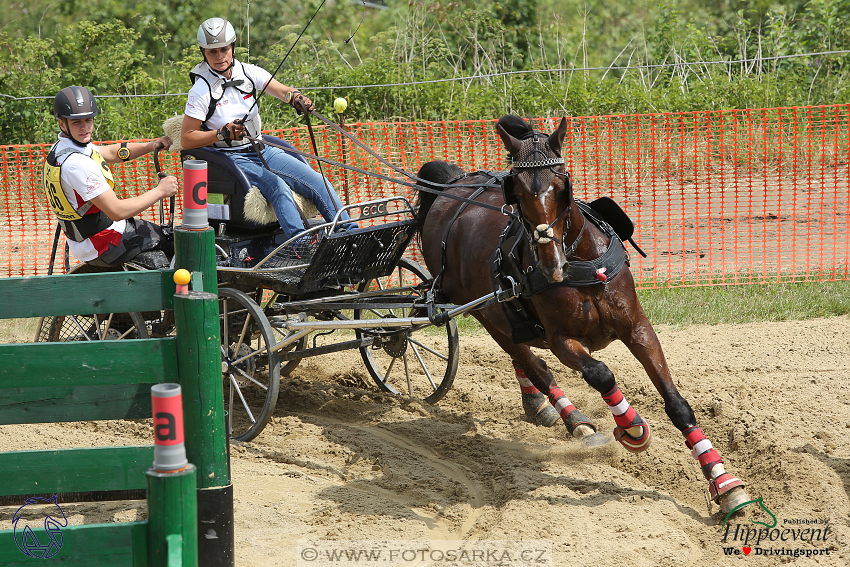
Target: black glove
x: 301, y: 103
x: 231, y: 131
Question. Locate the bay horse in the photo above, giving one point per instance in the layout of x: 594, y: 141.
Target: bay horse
x: 576, y: 287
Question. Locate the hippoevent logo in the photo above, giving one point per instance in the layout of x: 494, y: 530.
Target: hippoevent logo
x: 796, y: 537
x: 26, y: 539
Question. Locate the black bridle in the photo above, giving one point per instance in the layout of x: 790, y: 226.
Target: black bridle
x: 542, y: 234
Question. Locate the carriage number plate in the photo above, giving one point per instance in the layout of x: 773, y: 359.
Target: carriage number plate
x: 372, y: 210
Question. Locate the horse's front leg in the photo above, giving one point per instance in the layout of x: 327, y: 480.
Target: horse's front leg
x: 632, y: 430
x: 724, y: 488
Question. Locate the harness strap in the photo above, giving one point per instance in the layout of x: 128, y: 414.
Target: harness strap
x: 581, y: 273
x: 505, y: 270
x: 449, y: 228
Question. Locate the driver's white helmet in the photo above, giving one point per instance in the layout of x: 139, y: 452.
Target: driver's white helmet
x: 216, y: 32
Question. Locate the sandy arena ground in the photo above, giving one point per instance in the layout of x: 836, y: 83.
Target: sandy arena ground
x: 343, y: 462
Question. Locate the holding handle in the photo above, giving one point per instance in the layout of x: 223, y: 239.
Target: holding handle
x: 163, y: 175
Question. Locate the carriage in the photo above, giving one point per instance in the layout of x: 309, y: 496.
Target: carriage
x: 282, y: 300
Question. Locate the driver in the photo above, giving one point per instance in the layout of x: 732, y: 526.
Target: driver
x: 99, y: 227
x: 223, y: 91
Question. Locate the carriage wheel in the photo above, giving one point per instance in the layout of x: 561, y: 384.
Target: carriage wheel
x: 421, y: 363
x: 251, y: 373
x: 103, y: 327
x: 92, y: 327
x: 287, y: 367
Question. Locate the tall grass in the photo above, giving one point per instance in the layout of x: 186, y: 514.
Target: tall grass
x: 598, y: 58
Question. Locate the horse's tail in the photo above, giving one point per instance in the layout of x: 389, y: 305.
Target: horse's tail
x: 439, y: 172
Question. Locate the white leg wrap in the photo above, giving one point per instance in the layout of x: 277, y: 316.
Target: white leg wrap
x: 701, y: 447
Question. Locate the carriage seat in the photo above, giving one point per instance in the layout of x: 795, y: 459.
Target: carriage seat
x: 230, y: 197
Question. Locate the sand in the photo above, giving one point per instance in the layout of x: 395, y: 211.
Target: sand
x: 341, y: 462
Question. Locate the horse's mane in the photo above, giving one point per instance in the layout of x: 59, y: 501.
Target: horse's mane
x: 436, y: 172
x: 515, y: 126
x: 442, y: 171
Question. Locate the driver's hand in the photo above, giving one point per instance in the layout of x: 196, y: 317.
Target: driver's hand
x: 168, y: 186
x: 165, y: 142
x: 302, y: 104
x: 233, y: 131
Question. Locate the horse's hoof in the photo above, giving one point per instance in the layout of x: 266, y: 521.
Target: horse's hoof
x: 634, y: 444
x: 538, y: 410
x: 733, y: 498
x: 594, y: 439
x: 576, y: 419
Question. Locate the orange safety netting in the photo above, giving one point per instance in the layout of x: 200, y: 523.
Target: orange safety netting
x: 720, y: 197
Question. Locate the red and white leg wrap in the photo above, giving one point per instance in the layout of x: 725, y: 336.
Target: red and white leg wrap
x: 569, y: 413
x: 560, y: 402
x: 626, y: 417
x: 719, y: 481
x: 525, y: 384
x: 535, y: 404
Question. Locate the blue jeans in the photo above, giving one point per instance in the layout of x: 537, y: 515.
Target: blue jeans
x: 292, y: 175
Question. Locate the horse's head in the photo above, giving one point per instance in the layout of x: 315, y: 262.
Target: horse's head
x: 539, y: 186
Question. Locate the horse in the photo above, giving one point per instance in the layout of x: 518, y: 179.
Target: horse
x: 574, y: 280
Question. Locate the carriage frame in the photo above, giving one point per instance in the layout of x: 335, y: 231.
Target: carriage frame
x: 277, y: 293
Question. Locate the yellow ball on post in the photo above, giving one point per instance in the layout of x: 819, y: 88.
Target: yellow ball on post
x: 340, y: 105
x: 182, y: 277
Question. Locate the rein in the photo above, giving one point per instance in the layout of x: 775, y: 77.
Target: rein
x: 492, y: 182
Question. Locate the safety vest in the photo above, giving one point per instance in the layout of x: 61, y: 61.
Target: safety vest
x: 77, y: 224
x: 217, y: 85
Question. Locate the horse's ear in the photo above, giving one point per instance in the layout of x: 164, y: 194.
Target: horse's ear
x: 556, y: 139
x: 511, y: 143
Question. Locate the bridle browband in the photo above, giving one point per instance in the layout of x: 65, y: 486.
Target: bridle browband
x: 548, y: 162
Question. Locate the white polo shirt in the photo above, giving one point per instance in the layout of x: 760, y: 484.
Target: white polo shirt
x: 233, y: 103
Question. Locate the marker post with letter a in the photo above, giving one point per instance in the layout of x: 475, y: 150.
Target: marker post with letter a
x: 172, y: 485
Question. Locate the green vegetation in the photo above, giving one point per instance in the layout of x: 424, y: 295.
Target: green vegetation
x: 141, y: 47
x: 746, y: 303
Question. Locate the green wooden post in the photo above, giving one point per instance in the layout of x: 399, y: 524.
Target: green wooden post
x: 199, y: 369
x: 172, y: 510
x: 194, y: 250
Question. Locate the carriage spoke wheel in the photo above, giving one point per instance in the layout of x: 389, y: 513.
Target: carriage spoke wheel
x: 92, y: 327
x: 105, y: 327
x: 286, y: 367
x: 251, y: 373
x: 420, y: 363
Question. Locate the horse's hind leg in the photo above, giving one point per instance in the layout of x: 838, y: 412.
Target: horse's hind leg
x: 535, y: 403
x: 540, y: 392
x: 724, y: 488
